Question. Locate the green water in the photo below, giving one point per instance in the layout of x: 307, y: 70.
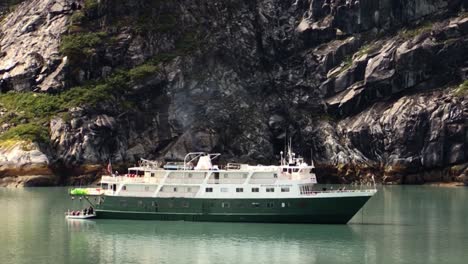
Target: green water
x: 409, y: 224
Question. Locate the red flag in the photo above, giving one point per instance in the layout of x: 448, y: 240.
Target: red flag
x: 109, y: 168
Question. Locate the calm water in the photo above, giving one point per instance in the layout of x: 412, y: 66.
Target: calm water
x: 407, y: 224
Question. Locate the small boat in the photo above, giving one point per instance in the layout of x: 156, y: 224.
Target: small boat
x: 79, y: 215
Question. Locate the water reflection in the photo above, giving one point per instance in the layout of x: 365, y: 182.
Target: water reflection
x: 399, y: 225
x: 189, y: 242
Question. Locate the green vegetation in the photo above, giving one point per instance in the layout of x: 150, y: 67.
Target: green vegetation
x: 187, y: 43
x: 142, y: 71
x: 462, y: 89
x: 345, y: 65
x: 27, y: 132
x: 81, y: 45
x: 29, y: 113
x: 413, y: 32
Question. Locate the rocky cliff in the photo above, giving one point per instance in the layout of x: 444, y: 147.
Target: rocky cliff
x: 369, y: 87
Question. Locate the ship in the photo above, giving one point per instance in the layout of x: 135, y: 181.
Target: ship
x: 198, y: 190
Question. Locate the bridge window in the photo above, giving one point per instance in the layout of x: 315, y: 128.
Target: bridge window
x: 208, y: 189
x: 270, y: 189
x: 284, y: 189
x: 255, y: 189
x: 239, y: 189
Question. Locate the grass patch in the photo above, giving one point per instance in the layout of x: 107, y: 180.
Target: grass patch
x: 142, y: 71
x: 413, y: 32
x: 29, y: 113
x: 345, y: 65
x: 187, y: 44
x: 462, y: 89
x: 29, y: 132
x: 81, y: 45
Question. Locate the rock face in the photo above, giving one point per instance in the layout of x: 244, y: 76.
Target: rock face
x: 367, y: 86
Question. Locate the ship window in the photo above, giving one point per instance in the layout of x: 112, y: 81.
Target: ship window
x: 162, y: 189
x: 152, y: 174
x: 270, y: 189
x: 275, y: 175
x: 240, y: 205
x: 224, y: 189
x: 185, y: 204
x: 208, y: 189
x: 154, y: 204
x: 123, y: 203
x: 256, y: 205
x: 295, y: 170
x: 146, y: 188
x: 226, y: 175
x: 189, y: 189
x: 284, y: 189
x: 239, y: 189
x: 175, y: 189
x: 255, y: 189
x: 244, y: 175
x: 225, y: 205
x: 285, y: 170
x: 140, y: 203
x: 285, y: 205
x: 170, y: 204
x: 190, y: 175
x: 124, y: 188
x: 270, y: 205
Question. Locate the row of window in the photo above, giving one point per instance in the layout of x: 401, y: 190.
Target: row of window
x: 254, y: 189
x: 223, y: 189
x: 184, y: 204
x: 225, y: 175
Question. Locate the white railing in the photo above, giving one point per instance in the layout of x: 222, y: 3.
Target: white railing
x: 303, y: 192
x: 262, y: 181
x: 226, y: 181
x: 184, y: 181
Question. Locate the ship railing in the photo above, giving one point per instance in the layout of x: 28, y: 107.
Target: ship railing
x: 184, y: 181
x: 233, y: 166
x: 262, y: 181
x: 226, y: 181
x: 337, y: 191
